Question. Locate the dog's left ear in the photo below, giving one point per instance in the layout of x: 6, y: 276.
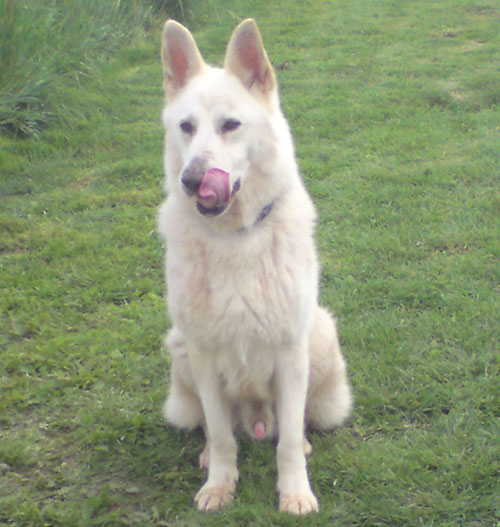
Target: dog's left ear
x: 246, y: 58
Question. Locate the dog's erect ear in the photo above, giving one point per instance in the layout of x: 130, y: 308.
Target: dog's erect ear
x: 247, y: 59
x: 181, y: 58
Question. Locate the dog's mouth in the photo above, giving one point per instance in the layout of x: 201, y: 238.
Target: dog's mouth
x: 215, y: 192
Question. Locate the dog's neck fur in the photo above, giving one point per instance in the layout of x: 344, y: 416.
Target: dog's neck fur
x: 237, y: 221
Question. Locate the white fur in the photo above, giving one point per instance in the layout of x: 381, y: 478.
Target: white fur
x: 249, y: 342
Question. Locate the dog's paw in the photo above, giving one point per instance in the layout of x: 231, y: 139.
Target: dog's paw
x: 307, y: 447
x: 298, y: 504
x: 213, y: 497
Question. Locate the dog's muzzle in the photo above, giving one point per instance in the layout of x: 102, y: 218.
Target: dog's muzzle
x: 211, y: 187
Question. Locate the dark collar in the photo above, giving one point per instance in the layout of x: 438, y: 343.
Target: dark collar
x: 264, y: 213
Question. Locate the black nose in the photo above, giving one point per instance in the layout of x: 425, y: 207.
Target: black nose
x: 191, y: 177
x: 191, y: 185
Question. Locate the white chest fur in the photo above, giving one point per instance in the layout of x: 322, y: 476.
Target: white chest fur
x: 242, y: 291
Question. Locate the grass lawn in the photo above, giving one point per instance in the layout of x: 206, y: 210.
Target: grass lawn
x: 395, y: 112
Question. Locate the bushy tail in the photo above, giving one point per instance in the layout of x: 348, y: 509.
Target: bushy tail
x: 329, y: 398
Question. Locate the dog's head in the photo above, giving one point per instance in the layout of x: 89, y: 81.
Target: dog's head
x: 218, y: 120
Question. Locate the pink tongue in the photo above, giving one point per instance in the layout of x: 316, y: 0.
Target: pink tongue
x: 214, y: 190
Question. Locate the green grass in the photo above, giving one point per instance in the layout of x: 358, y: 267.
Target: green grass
x: 395, y: 112
x: 49, y: 48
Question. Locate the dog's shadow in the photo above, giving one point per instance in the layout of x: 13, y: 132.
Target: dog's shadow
x: 158, y: 465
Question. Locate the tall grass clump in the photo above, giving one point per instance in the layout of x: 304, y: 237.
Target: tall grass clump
x: 48, y: 47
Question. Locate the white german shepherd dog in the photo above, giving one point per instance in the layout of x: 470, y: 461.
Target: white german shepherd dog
x: 249, y: 344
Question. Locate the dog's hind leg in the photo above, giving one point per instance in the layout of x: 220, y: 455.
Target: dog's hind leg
x: 183, y: 406
x: 329, y: 397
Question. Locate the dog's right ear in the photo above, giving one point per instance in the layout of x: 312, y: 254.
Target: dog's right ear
x: 181, y: 58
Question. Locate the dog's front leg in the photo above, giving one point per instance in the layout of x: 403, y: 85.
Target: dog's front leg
x: 292, y: 372
x: 222, y: 472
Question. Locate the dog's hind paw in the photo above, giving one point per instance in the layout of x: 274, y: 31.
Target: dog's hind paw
x: 214, y: 497
x: 298, y: 504
x: 204, y: 459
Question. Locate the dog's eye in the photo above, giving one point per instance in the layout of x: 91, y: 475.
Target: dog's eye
x: 187, y: 127
x: 230, y: 125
